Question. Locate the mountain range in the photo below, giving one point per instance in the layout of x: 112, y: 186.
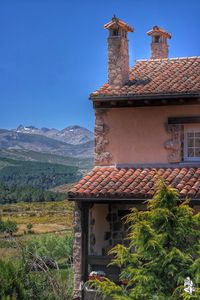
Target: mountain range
x: 74, y: 135
x: 72, y: 141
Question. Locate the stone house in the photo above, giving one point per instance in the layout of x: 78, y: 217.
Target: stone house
x: 147, y: 123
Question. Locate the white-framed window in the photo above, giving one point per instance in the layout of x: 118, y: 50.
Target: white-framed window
x: 191, y: 142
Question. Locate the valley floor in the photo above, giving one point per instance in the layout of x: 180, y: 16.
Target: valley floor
x: 45, y: 218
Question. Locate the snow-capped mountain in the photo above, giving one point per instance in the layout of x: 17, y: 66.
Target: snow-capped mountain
x: 72, y: 141
x: 74, y: 135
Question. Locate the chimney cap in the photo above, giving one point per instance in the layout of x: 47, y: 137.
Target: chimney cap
x: 158, y: 30
x: 115, y: 21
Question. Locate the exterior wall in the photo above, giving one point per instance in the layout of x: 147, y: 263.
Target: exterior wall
x: 118, y: 228
x: 107, y: 227
x: 98, y: 228
x: 137, y: 135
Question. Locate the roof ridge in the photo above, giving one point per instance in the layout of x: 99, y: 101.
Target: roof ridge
x: 168, y: 58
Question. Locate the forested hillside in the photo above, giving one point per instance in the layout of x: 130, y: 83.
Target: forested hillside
x: 36, y: 174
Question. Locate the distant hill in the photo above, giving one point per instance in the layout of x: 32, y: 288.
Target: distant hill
x: 83, y: 163
x: 73, y: 141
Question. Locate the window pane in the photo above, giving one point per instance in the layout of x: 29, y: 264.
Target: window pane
x: 190, y: 134
x: 197, y: 142
x: 197, y: 152
x: 190, y: 142
x: 190, y: 152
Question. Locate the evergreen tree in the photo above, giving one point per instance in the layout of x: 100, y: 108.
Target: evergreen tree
x: 167, y: 242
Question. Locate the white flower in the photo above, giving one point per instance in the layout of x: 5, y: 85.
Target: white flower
x: 189, y: 286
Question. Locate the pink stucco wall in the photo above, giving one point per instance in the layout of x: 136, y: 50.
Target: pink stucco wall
x: 100, y: 226
x: 138, y: 135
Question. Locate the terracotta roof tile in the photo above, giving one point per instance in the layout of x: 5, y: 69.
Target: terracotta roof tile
x: 159, y: 76
x: 133, y: 183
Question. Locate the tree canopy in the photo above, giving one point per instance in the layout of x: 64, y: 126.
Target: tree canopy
x: 14, y: 193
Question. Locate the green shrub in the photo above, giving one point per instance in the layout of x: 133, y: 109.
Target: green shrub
x: 45, y: 252
x: 50, y: 245
x: 19, y: 281
x: 8, y: 227
x: 11, y: 281
x: 29, y: 227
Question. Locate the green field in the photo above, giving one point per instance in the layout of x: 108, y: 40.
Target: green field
x: 44, y: 216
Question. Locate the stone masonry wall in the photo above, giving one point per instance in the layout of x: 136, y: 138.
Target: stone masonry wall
x: 159, y: 50
x: 77, y: 252
x: 118, y: 61
x: 118, y: 230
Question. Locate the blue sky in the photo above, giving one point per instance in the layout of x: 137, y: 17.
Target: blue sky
x: 53, y: 53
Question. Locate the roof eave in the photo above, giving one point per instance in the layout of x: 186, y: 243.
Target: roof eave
x: 159, y: 31
x: 103, y: 97
x: 106, y: 199
x: 118, y: 199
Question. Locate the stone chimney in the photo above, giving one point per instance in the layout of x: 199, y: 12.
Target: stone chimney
x: 118, y: 56
x: 159, y: 46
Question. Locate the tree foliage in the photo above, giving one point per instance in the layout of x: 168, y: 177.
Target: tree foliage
x: 13, y: 194
x: 167, y: 242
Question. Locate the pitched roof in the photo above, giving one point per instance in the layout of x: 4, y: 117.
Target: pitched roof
x: 115, y: 21
x: 130, y: 183
x: 158, y: 76
x: 158, y: 30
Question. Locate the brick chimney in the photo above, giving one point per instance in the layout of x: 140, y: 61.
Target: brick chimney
x: 118, y: 56
x: 159, y: 46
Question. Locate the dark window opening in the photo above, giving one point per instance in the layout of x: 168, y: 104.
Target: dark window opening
x: 156, y: 39
x: 115, y: 32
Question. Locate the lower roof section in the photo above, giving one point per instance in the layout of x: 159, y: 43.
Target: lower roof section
x: 109, y: 183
